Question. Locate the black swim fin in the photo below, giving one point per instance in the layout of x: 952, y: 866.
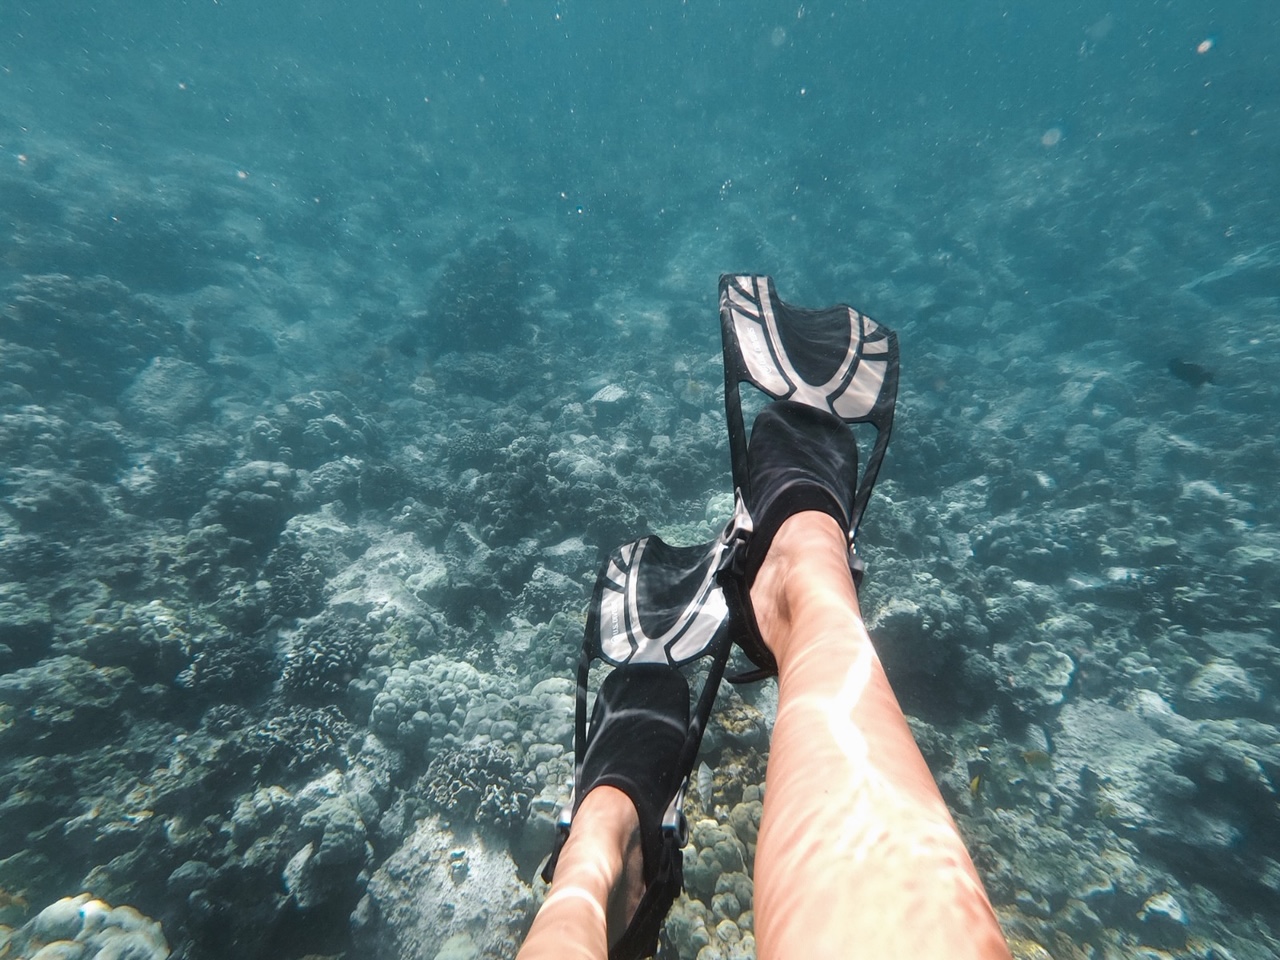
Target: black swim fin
x: 835, y: 359
x: 655, y: 610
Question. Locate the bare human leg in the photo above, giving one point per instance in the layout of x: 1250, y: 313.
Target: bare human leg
x: 857, y: 852
x: 597, y: 885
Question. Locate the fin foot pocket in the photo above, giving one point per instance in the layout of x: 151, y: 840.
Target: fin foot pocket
x: 825, y: 370
x: 655, y: 609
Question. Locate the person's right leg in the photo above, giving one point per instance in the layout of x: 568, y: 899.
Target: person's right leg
x: 857, y: 854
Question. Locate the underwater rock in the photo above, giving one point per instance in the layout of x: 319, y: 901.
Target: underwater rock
x: 326, y: 536
x: 340, y: 827
x: 22, y: 370
x: 252, y: 501
x: 480, y: 576
x: 1187, y: 792
x: 532, y: 842
x: 299, y: 882
x: 1039, y: 673
x: 614, y: 519
x: 213, y: 561
x: 336, y: 482
x: 1037, y: 550
x: 925, y: 630
x: 609, y: 406
x: 1164, y: 924
x: 1107, y: 757
x: 259, y: 812
x: 26, y: 628
x: 83, y: 928
x: 578, y: 467
x: 287, y: 854
x: 396, y: 579
x: 416, y: 902
x: 48, y: 500
x: 1258, y: 562
x: 1220, y: 689
x: 1010, y: 618
x: 62, y: 704
x: 382, y: 485
x: 72, y: 440
x: 735, y: 724
x: 312, y: 429
x: 172, y: 479
x: 154, y: 640
x: 166, y: 393
x: 547, y: 593
x: 95, y: 333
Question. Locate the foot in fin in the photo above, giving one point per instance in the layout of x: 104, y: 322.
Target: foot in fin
x: 655, y: 609
x: 826, y: 370
x: 834, y: 359
x: 800, y: 458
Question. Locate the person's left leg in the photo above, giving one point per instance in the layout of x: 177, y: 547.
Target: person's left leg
x: 598, y: 882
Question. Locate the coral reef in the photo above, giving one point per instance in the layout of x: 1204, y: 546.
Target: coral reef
x: 437, y: 702
x: 298, y: 740
x: 324, y: 656
x: 312, y: 440
x: 478, y: 783
x: 83, y: 928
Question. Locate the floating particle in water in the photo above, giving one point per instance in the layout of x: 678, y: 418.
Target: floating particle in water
x: 778, y: 37
x: 1051, y: 137
x: 1205, y: 45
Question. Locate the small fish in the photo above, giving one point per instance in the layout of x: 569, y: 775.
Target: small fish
x: 705, y: 783
x: 1038, y: 759
x: 975, y: 787
x: 1192, y: 373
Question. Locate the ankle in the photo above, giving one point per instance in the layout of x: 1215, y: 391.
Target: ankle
x: 608, y: 816
x: 608, y: 824
x: 803, y: 582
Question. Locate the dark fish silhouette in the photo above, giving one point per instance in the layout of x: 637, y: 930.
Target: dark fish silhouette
x: 1192, y: 373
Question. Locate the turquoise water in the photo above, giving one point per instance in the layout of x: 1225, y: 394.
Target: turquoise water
x: 340, y: 343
